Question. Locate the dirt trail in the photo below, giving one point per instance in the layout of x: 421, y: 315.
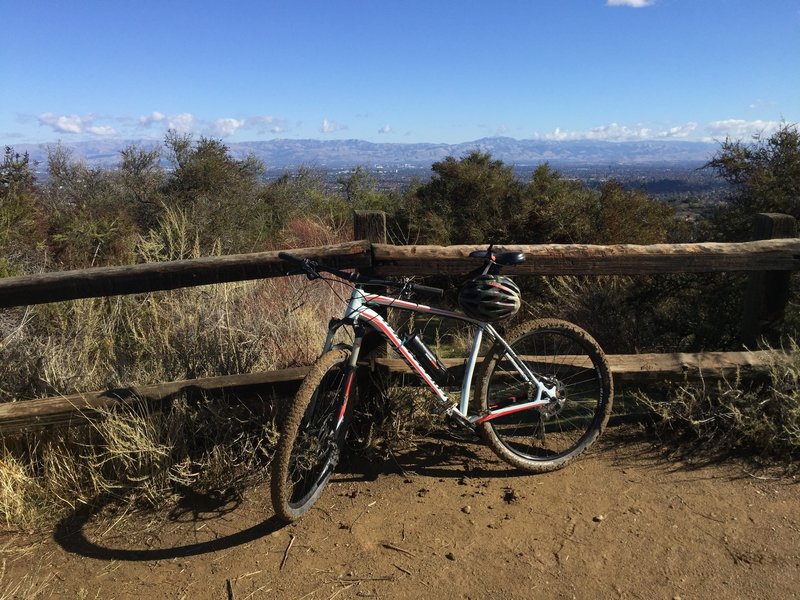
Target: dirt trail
x: 446, y: 520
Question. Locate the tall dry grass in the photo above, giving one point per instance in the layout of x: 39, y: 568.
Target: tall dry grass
x: 138, y: 456
x: 760, y: 419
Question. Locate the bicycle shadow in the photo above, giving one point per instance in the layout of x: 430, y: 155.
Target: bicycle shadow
x: 438, y: 455
x: 70, y: 532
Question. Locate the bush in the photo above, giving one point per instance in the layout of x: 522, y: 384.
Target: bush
x: 756, y: 418
x: 765, y: 176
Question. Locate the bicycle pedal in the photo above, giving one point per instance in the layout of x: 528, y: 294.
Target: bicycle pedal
x: 459, y: 421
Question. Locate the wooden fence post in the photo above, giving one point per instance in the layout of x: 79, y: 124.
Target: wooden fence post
x: 767, y: 292
x: 369, y: 225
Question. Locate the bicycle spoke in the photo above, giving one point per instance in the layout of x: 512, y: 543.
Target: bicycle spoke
x: 565, y: 360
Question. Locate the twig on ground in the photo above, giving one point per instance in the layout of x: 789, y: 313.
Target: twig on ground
x: 760, y: 477
x: 398, y: 549
x: 286, y: 553
x: 353, y: 524
x: 339, y: 591
x: 360, y: 579
x: 697, y: 512
x: 254, y: 592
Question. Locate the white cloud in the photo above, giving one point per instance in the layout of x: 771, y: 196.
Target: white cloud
x: 385, y: 129
x: 611, y: 132
x: 690, y: 131
x: 631, y: 3
x: 101, y: 130
x: 680, y: 131
x: 331, y: 126
x: 74, y: 124
x: 739, y: 128
x: 266, y: 123
x: 222, y: 127
x: 225, y: 127
x: 153, y: 117
x: 182, y: 123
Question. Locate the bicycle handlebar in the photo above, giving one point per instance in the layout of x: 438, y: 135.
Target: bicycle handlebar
x: 312, y: 269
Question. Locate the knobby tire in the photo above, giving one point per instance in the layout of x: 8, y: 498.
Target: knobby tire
x: 547, y: 438
x: 309, y: 446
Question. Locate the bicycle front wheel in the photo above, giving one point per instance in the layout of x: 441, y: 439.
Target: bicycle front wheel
x: 563, y: 357
x: 313, y: 435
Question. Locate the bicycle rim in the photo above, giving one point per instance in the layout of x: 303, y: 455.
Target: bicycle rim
x: 563, y: 356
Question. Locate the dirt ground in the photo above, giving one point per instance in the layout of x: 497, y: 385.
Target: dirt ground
x: 446, y: 520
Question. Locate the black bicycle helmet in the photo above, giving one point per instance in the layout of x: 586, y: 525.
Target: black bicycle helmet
x: 489, y: 298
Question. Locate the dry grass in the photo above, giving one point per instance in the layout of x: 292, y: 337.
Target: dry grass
x: 32, y: 586
x: 760, y: 419
x: 139, y: 457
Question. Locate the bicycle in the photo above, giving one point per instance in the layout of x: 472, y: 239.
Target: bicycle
x: 542, y: 398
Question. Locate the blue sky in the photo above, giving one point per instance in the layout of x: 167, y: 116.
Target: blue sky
x: 403, y: 71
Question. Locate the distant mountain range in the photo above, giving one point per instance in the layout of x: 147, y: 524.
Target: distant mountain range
x: 338, y: 154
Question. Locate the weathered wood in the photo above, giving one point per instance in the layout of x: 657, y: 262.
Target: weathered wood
x: 654, y: 368
x: 639, y: 369
x: 767, y: 292
x: 26, y: 415
x: 581, y: 259
x: 150, y: 277
x: 547, y: 259
x: 370, y: 225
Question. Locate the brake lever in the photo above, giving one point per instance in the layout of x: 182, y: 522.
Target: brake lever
x: 405, y: 292
x: 310, y: 269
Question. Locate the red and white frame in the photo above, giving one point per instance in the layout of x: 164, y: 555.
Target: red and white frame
x: 360, y: 309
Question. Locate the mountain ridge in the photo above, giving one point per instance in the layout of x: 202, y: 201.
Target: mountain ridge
x: 346, y: 153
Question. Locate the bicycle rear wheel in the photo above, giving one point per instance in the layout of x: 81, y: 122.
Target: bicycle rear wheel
x: 313, y: 435
x: 548, y: 437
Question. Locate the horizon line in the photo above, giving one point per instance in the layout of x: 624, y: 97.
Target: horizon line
x: 112, y: 139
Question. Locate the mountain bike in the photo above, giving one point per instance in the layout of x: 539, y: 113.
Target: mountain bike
x: 543, y: 392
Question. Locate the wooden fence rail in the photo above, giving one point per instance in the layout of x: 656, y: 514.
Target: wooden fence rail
x: 577, y: 259
x: 627, y: 369
x: 152, y: 277
x: 772, y: 255
x: 387, y: 260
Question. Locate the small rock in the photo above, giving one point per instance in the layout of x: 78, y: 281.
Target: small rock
x: 599, y: 518
x: 450, y: 556
x: 466, y: 509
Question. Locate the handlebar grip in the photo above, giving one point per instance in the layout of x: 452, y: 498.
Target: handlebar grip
x: 289, y: 257
x: 426, y: 289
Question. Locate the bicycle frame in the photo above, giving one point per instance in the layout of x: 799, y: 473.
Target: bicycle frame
x: 361, y: 310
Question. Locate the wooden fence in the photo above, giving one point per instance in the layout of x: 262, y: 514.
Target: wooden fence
x: 769, y: 260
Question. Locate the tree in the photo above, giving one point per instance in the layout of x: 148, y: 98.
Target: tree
x: 218, y: 193
x: 765, y: 177
x: 468, y: 201
x: 20, y: 214
x: 89, y: 221
x: 553, y: 209
x: 629, y: 217
x: 142, y: 178
x: 361, y: 191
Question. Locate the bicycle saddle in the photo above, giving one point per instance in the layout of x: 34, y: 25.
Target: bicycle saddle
x: 505, y: 259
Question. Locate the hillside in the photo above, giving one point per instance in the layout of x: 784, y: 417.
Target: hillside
x: 287, y: 153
